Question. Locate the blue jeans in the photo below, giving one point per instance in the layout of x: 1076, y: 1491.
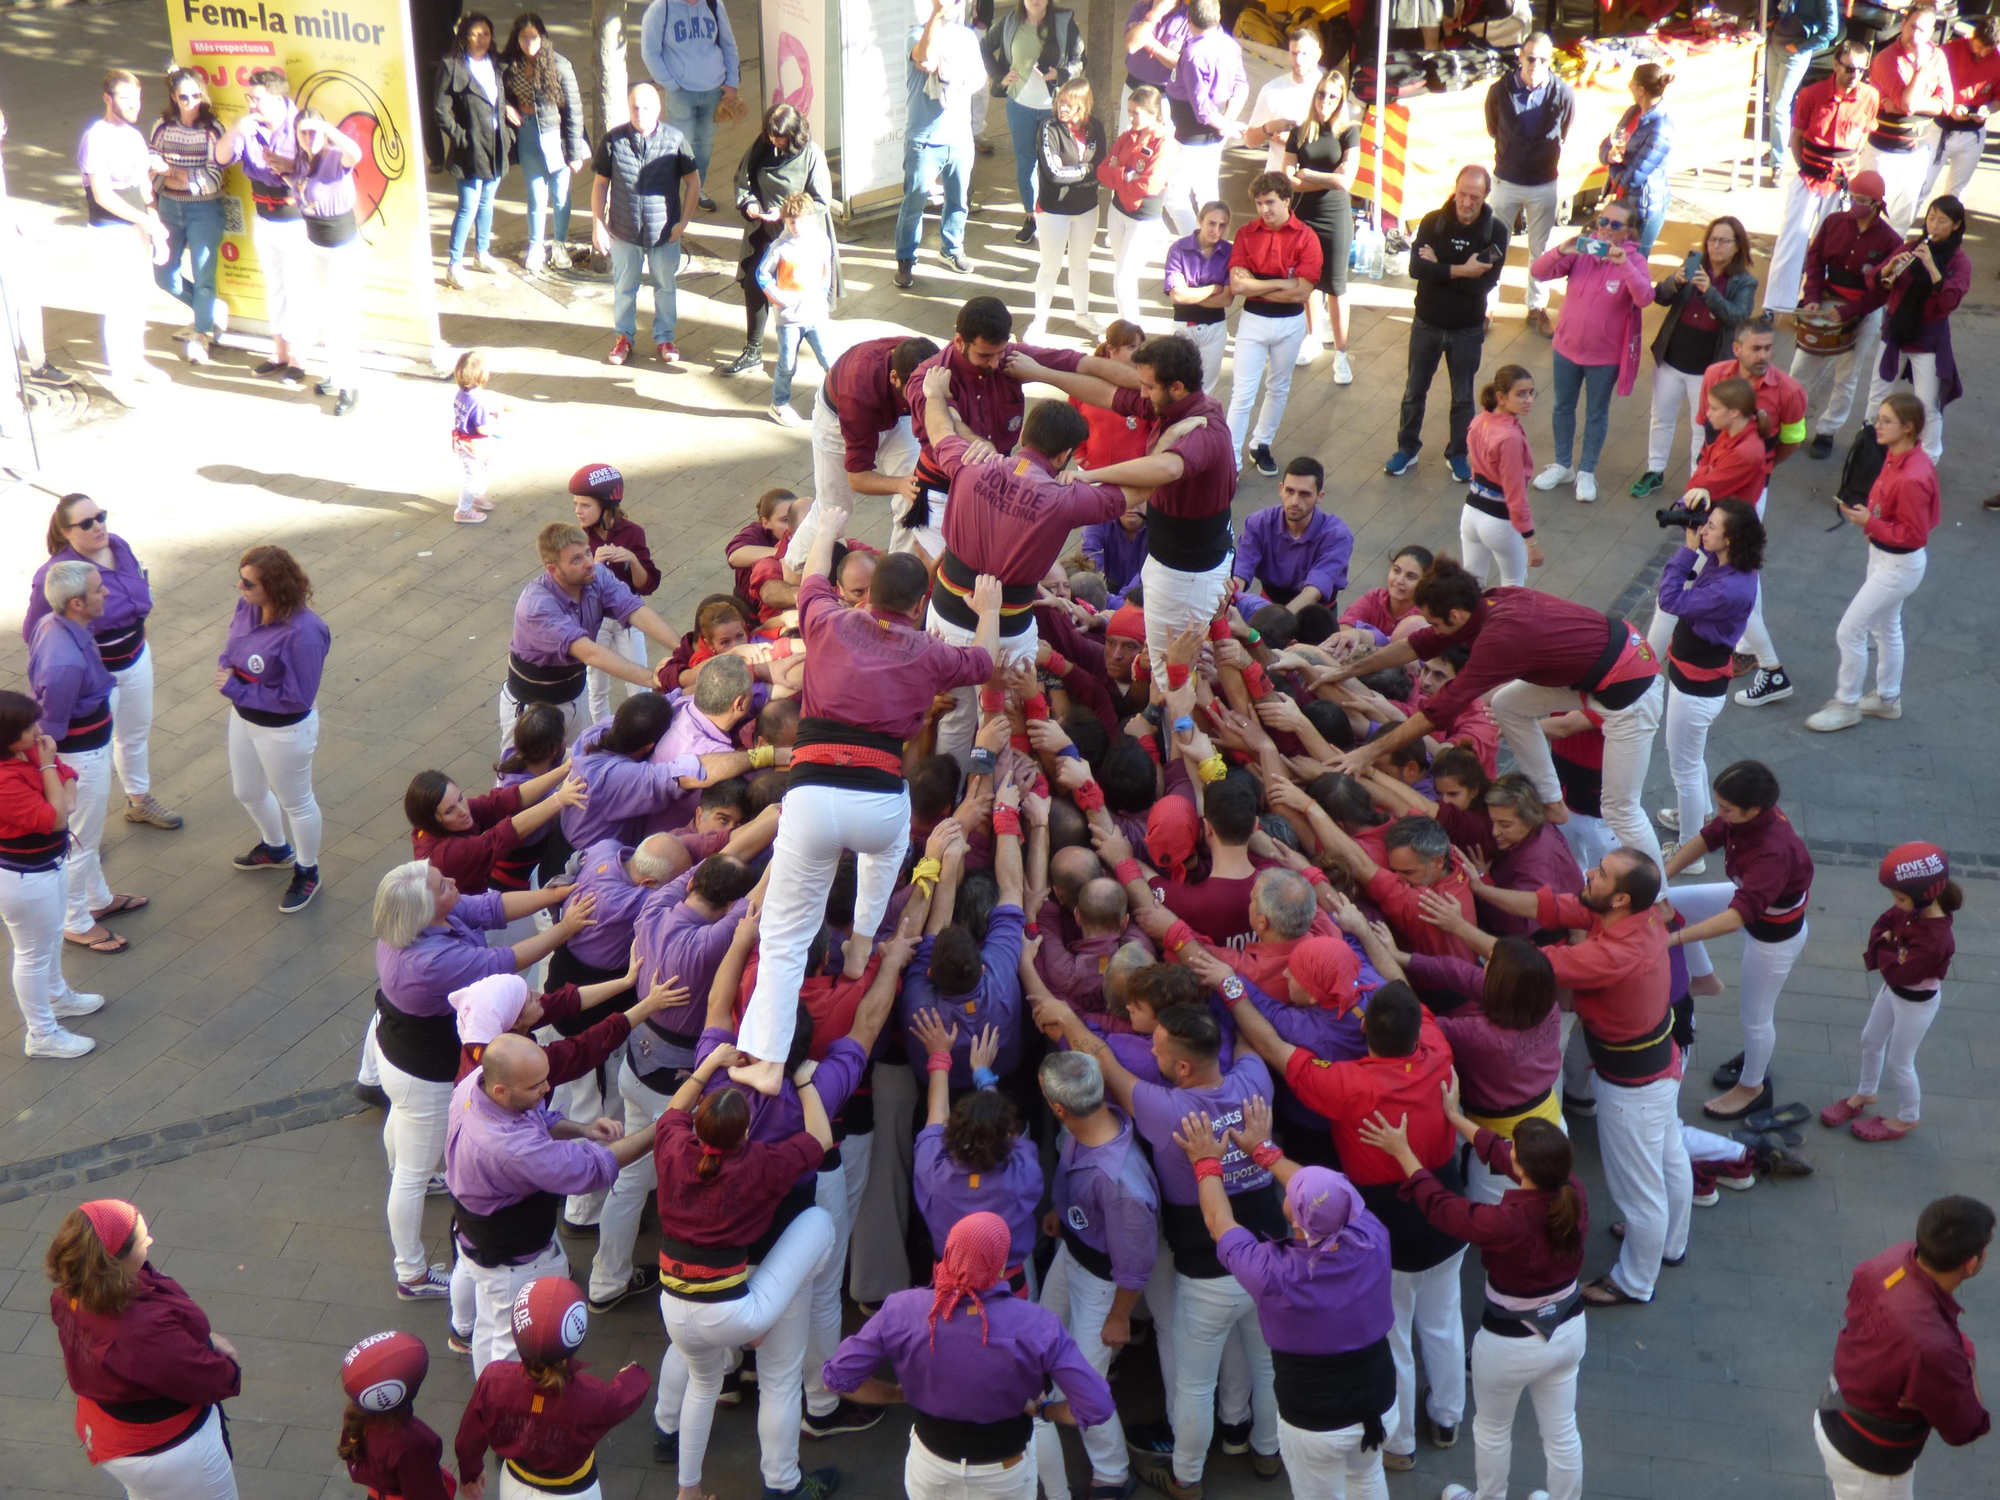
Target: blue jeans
x: 1651, y: 224
x: 1783, y: 73
x: 197, y: 228
x: 548, y: 182
x: 1025, y: 126
x: 693, y: 115
x: 658, y: 264
x: 475, y: 201
x: 921, y: 162
x: 1596, y: 382
x: 790, y: 335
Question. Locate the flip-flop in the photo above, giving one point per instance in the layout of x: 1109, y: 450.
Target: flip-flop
x: 111, y: 942
x: 1778, y: 1119
x: 1609, y: 1294
x: 123, y: 903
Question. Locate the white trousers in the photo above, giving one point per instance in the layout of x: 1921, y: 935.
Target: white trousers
x: 1486, y: 540
x: 1232, y: 1388
x: 1628, y: 749
x: 1540, y: 203
x: 1589, y: 839
x: 838, y: 1192
x: 1082, y: 1301
x: 1799, y: 220
x: 413, y: 1140
x: 958, y: 729
x: 1895, y: 1029
x: 895, y: 454
x: 1903, y: 174
x: 270, y: 770
x: 493, y: 1290
x: 511, y: 709
x: 197, y: 1469
x: 1132, y: 243
x: 1876, y: 613
x: 1175, y: 599
x: 1197, y: 179
x: 1646, y: 1168
x: 336, y: 309
x: 370, y: 1070
x: 819, y: 823
x: 1841, y: 372
x: 618, y: 1224
x: 473, y: 471
x: 284, y: 256
x: 1331, y: 1465
x: 928, y: 1477
x: 87, y: 888
x: 31, y: 906
x: 1672, y: 389
x: 1546, y: 1369
x: 1852, y: 1482
x: 1210, y: 341
x: 1267, y: 349
x: 1924, y: 384
x: 132, y: 724
x: 1060, y: 237
x: 510, y: 1488
x: 124, y: 273
x: 1961, y: 150
x: 773, y: 1309
x: 580, y: 1100
x: 1756, y: 634
x: 1427, y: 1317
x: 1206, y: 1311
x: 627, y: 642
x: 1765, y: 969
x: 1688, y: 718
x: 879, y: 1265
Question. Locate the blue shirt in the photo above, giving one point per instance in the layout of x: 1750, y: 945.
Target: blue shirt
x: 689, y: 47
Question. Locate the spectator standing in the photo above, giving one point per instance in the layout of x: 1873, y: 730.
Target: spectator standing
x: 1830, y: 121
x: 1849, y: 245
x: 783, y: 160
x: 1033, y: 49
x: 188, y: 195
x: 1069, y: 146
x: 1800, y: 31
x: 37, y: 792
x: 1597, y: 341
x: 1974, y: 64
x: 1274, y: 266
x: 1138, y: 171
x: 1914, y: 81
x: 1498, y: 523
x: 1282, y: 105
x: 127, y: 236
x: 323, y: 176
x: 264, y: 141
x: 1197, y: 286
x: 646, y: 187
x: 552, y: 140
x: 1635, y: 153
x: 1205, y: 95
x: 1528, y: 115
x: 691, y: 53
x: 479, y: 140
x: 1155, y: 32
x: 1456, y: 260
x: 946, y: 70
x: 473, y: 413
x: 1703, y: 310
x: 1927, y: 280
x: 796, y: 277
x: 1321, y: 159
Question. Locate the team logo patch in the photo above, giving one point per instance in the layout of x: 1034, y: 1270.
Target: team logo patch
x: 1013, y: 424
x: 383, y: 1395
x: 1078, y: 1219
x: 255, y: 664
x: 575, y: 1323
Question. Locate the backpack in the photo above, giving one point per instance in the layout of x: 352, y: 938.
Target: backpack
x: 1858, y: 471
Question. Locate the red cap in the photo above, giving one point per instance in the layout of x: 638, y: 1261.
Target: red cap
x: 383, y: 1371
x: 1868, y: 185
x: 1128, y: 621
x: 1919, y: 870
x: 599, y: 481
x: 114, y: 1220
x: 550, y: 1320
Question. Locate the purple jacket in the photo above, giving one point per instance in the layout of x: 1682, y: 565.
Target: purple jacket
x: 1268, y: 553
x: 446, y: 956
x: 1106, y: 1197
x: 996, y: 1002
x: 947, y: 1192
x: 67, y: 675
x: 625, y: 794
x: 1716, y: 602
x: 547, y: 621
x: 691, y: 735
x: 675, y: 939
x: 1209, y: 75
x: 128, y: 597
x: 275, y: 668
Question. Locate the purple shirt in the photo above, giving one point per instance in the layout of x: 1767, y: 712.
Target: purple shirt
x: 446, y: 956
x: 1267, y: 552
x: 1543, y: 858
x: 1117, y: 553
x: 1107, y: 1197
x: 128, y: 598
x: 67, y: 675
x: 1157, y: 1112
x: 691, y: 735
x: 607, y: 943
x: 996, y: 1001
x: 1170, y: 31
x: 980, y: 1371
x: 326, y: 190
x: 1322, y: 1032
x: 494, y: 1156
x: 676, y: 940
x: 1188, y: 267
x: 626, y: 795
x: 1209, y: 76
x: 1332, y: 1300
x: 547, y: 622
x: 1715, y: 602
x: 779, y: 1117
x: 259, y: 138
x: 948, y: 1192
x: 274, y: 668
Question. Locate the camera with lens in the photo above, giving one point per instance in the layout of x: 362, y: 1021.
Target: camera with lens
x: 1682, y: 516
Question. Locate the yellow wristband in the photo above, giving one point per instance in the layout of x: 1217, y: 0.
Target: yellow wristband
x: 1214, y: 768
x: 925, y: 876
x: 762, y: 757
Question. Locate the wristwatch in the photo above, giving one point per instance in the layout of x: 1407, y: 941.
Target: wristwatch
x: 1232, y: 989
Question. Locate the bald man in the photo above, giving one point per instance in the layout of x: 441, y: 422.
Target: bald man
x: 508, y: 1160
x: 857, y: 572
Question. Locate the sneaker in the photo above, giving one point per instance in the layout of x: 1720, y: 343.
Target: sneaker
x: 269, y: 367
x: 814, y: 1484
x: 146, y: 809
x: 1878, y: 707
x: 1669, y: 818
x: 1768, y: 686
x: 1267, y: 1465
x: 643, y: 1280
x: 1150, y: 1437
x: 1456, y: 1492
x: 371, y: 1094
x: 1400, y: 1463
x: 666, y: 1446
x: 1343, y: 372
x: 1578, y: 1108
x: 785, y: 416
x: 1742, y: 663
x: 1548, y: 479
x: 435, y: 1283
x: 436, y: 1187
x: 1399, y: 464
x: 469, y: 517
x: 491, y: 264
x: 575, y: 1231
x: 1836, y: 715
x: 1025, y: 235
x: 752, y: 358
x: 1586, y: 487
x: 266, y: 857
x: 305, y: 885
x: 620, y: 351
x: 1706, y: 1199
x: 1442, y: 1436
x: 292, y: 378
x: 906, y: 273
x: 955, y: 261
x: 666, y: 353
x: 1646, y: 483
x: 1156, y: 1471
x: 1461, y: 469
x: 1261, y: 456
x: 1235, y: 1437
x: 705, y: 203
x: 747, y: 1371
x: 220, y: 320
x: 194, y: 351
x: 349, y: 399
x: 454, y: 277
x: 46, y: 373
x: 1700, y: 866
x: 1538, y: 321
x: 57, y: 1043
x: 324, y: 387
x: 1822, y: 445
x: 731, y: 1393
x: 849, y: 1416
x: 1741, y: 1184
x: 456, y: 1342
x: 75, y: 1004
x: 1310, y: 349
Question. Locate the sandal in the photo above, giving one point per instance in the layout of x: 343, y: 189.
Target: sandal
x: 111, y: 942
x: 1618, y: 1233
x: 1875, y: 1128
x: 1839, y: 1113
x: 1604, y: 1292
x: 1778, y: 1119
x: 123, y: 903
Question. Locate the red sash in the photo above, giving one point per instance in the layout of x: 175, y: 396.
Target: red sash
x: 106, y: 1437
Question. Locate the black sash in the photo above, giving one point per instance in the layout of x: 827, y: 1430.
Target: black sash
x: 818, y: 731
x: 951, y: 603
x: 1689, y: 650
x: 975, y: 1442
x: 1198, y: 315
x: 425, y: 1047
x: 1187, y: 544
x: 1869, y: 1442
x: 1326, y: 1392
x: 331, y: 232
x: 121, y: 647
x: 1614, y: 647
x: 32, y: 852
x: 1506, y: 1323
x: 1097, y: 1262
x: 1415, y: 1244
x: 1634, y: 1063
x: 508, y: 1235
x: 537, y: 682
x: 1260, y: 1210
x: 89, y: 730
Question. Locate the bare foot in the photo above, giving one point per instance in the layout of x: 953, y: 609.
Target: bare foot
x: 1734, y: 1100
x: 856, y: 953
x: 764, y: 1077
x: 1706, y: 984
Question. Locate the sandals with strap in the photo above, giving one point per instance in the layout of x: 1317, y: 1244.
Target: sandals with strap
x: 1604, y: 1292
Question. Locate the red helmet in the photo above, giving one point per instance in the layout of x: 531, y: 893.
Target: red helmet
x: 383, y: 1371
x: 550, y: 1320
x: 601, y: 482
x: 1917, y: 869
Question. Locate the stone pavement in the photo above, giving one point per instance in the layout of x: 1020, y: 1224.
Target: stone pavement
x: 228, y: 1022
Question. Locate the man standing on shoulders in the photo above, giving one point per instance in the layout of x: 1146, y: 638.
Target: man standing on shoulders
x: 1837, y: 282
x: 1456, y: 260
x: 691, y: 53
x: 1295, y: 554
x: 1915, y: 83
x: 1528, y: 114
x: 1902, y: 1366
x: 1800, y: 31
x: 1830, y: 121
x: 946, y: 70
x: 645, y: 188
x: 1206, y: 94
x: 1197, y: 284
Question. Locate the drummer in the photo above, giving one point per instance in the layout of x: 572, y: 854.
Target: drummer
x: 1836, y: 286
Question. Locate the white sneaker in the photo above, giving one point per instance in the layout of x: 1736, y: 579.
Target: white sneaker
x: 221, y: 318
x: 454, y: 277
x: 1554, y: 475
x: 536, y: 258
x: 1836, y: 715
x: 491, y: 264
x: 785, y: 416
x: 195, y: 351
x: 1037, y: 333
x: 75, y: 1004
x: 1343, y: 372
x: 1309, y: 350
x: 1456, y: 1492
x: 1699, y: 867
x: 57, y: 1043
x: 1586, y: 487
x: 1669, y: 819
x: 1878, y: 707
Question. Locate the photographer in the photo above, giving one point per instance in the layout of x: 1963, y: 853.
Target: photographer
x: 1730, y: 468
x: 1712, y: 292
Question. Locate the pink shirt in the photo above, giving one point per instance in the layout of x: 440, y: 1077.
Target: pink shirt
x: 1601, y: 308
x: 1501, y: 456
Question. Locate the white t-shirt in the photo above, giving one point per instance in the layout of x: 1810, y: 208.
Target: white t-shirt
x: 1282, y: 99
x: 485, y: 76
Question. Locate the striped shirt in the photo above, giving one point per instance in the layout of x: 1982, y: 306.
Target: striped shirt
x: 189, y: 149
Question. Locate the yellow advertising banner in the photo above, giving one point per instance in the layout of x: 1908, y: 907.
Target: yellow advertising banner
x: 354, y: 66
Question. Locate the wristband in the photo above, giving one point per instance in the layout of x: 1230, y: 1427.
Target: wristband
x: 1036, y: 707
x: 1032, y: 929
x: 1208, y: 1166
x: 984, y: 1078
x: 1021, y: 743
x: 982, y: 762
x: 1184, y: 724
x: 1126, y: 871
x: 1151, y: 713
x: 1256, y: 680
x: 1151, y: 745
x: 1058, y: 664
x: 1177, y: 676
x: 762, y: 757
x: 992, y: 700
x: 1069, y: 752
x: 1214, y: 768
x: 939, y: 1062
x: 783, y: 647
x: 1006, y: 822
x: 1218, y: 629
x: 925, y: 876
x: 1089, y: 797
x: 1040, y: 788
x: 1266, y: 1155
x: 1254, y: 636
x: 1313, y: 875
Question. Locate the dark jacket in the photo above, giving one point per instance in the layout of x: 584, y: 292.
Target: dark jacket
x: 1730, y: 301
x: 1810, y: 24
x: 646, y: 173
x: 765, y: 178
x: 1066, y: 168
x: 1527, y: 150
x: 1444, y: 300
x: 558, y: 113
x: 1062, y: 46
x: 478, y: 141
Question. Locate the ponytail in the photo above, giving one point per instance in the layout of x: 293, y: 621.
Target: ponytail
x: 721, y: 1121
x: 550, y: 1380
x: 1951, y: 899
x: 356, y: 1423
x: 1546, y: 1158
x: 1565, y: 1220
x: 1504, y: 380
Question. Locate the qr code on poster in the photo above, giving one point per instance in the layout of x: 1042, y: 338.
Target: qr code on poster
x: 232, y: 214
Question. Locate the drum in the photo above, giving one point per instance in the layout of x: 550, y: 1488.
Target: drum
x: 1827, y: 334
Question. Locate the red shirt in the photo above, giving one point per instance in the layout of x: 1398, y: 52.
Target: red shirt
x: 1901, y: 1356
x: 1012, y: 516
x: 402, y: 1458
x: 543, y: 1433
x: 858, y: 390
x: 1137, y: 168
x: 1903, y: 505
x: 468, y: 858
x: 764, y: 570
x: 1398, y: 900
x: 1291, y: 250
x: 876, y: 673
x: 1838, y: 123
x: 1346, y: 1094
x: 734, y: 1207
x: 1777, y: 393
x: 1974, y: 79
x: 24, y: 806
x: 1373, y: 608
x: 1908, y: 950
x: 1513, y: 1234
x: 1520, y: 633
x: 1731, y: 467
x: 1767, y: 862
x: 1475, y: 729
x: 1910, y: 86
x: 1114, y: 436
x: 1618, y: 973
x: 1502, y: 458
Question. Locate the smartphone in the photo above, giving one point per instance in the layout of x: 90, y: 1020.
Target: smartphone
x: 1592, y: 246
x: 1691, y: 265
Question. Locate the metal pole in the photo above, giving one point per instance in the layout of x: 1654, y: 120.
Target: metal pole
x: 1381, y: 107
x: 20, y: 382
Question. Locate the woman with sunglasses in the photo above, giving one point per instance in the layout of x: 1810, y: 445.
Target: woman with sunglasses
x: 1321, y: 158
x: 270, y: 670
x: 78, y: 532
x: 188, y: 194
x: 1635, y: 154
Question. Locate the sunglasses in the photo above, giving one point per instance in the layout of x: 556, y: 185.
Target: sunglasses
x: 84, y: 523
x: 1609, y: 223
x: 188, y: 98
x: 247, y: 584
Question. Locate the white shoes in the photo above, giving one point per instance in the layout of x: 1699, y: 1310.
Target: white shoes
x: 454, y: 277
x: 1670, y: 819
x: 1036, y: 333
x: 491, y: 264
x: 1554, y: 475
x: 75, y: 1004
x: 785, y: 416
x: 1343, y: 372
x: 1586, y: 487
x: 1310, y: 349
x: 195, y: 350
x: 57, y: 1043
x: 1878, y: 707
x: 1836, y: 715
x: 1699, y: 867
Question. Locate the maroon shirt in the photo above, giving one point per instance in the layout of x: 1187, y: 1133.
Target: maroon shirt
x: 872, y: 672
x: 987, y: 401
x: 1012, y: 516
x: 1767, y: 862
x: 860, y: 394
x: 543, y: 1433
x: 157, y: 1347
x: 1543, y: 858
x: 468, y: 858
x: 1526, y: 634
x: 1901, y: 1356
x: 756, y: 534
x: 1512, y: 1235
x: 1217, y: 909
x: 402, y: 1458
x: 1909, y: 951
x: 1187, y: 525
x: 631, y: 536
x: 734, y: 1207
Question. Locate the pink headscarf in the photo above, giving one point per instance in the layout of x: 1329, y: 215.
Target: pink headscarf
x: 489, y: 1007
x: 975, y: 1259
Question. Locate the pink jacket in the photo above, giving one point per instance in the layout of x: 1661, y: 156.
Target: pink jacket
x: 1602, y: 308
x: 1501, y: 456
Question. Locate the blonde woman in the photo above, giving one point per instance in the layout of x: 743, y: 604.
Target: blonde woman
x: 1321, y: 159
x: 1068, y: 148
